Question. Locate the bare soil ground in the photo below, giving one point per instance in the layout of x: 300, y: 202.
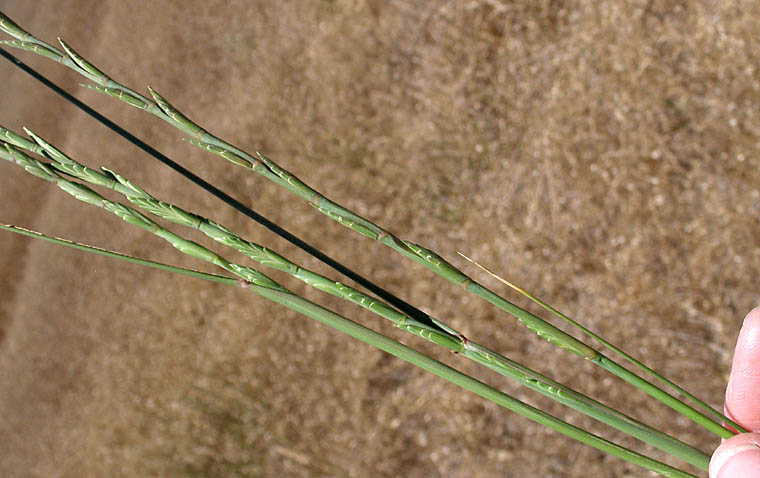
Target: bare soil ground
x: 603, y: 155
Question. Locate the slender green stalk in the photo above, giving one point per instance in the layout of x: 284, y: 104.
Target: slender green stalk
x: 268, y: 288
x: 118, y: 255
x: 610, y: 346
x: 451, y: 339
x: 266, y: 167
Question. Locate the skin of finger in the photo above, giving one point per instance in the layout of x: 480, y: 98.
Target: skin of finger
x: 743, y: 392
x: 737, y: 457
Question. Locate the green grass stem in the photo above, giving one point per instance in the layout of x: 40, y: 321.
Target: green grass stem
x: 617, y: 350
x: 117, y: 255
x: 268, y: 288
x: 452, y: 339
x: 259, y: 163
x: 397, y: 349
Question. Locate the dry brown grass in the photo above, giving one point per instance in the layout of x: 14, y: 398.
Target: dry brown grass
x: 602, y: 156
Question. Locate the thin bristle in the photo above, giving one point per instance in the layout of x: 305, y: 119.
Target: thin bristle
x: 494, y: 275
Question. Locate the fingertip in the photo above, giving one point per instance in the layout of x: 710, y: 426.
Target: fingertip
x: 752, y: 319
x: 737, y: 457
x: 743, y: 391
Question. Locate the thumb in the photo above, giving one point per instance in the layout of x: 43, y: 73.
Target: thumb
x: 743, y: 392
x: 737, y: 457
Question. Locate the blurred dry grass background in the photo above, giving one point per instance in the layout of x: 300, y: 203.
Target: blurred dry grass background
x: 600, y: 154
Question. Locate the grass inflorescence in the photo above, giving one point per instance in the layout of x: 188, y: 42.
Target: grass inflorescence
x: 257, y: 162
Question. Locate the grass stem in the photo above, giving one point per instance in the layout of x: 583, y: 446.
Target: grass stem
x: 397, y: 349
x: 640, y: 365
x: 449, y: 338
